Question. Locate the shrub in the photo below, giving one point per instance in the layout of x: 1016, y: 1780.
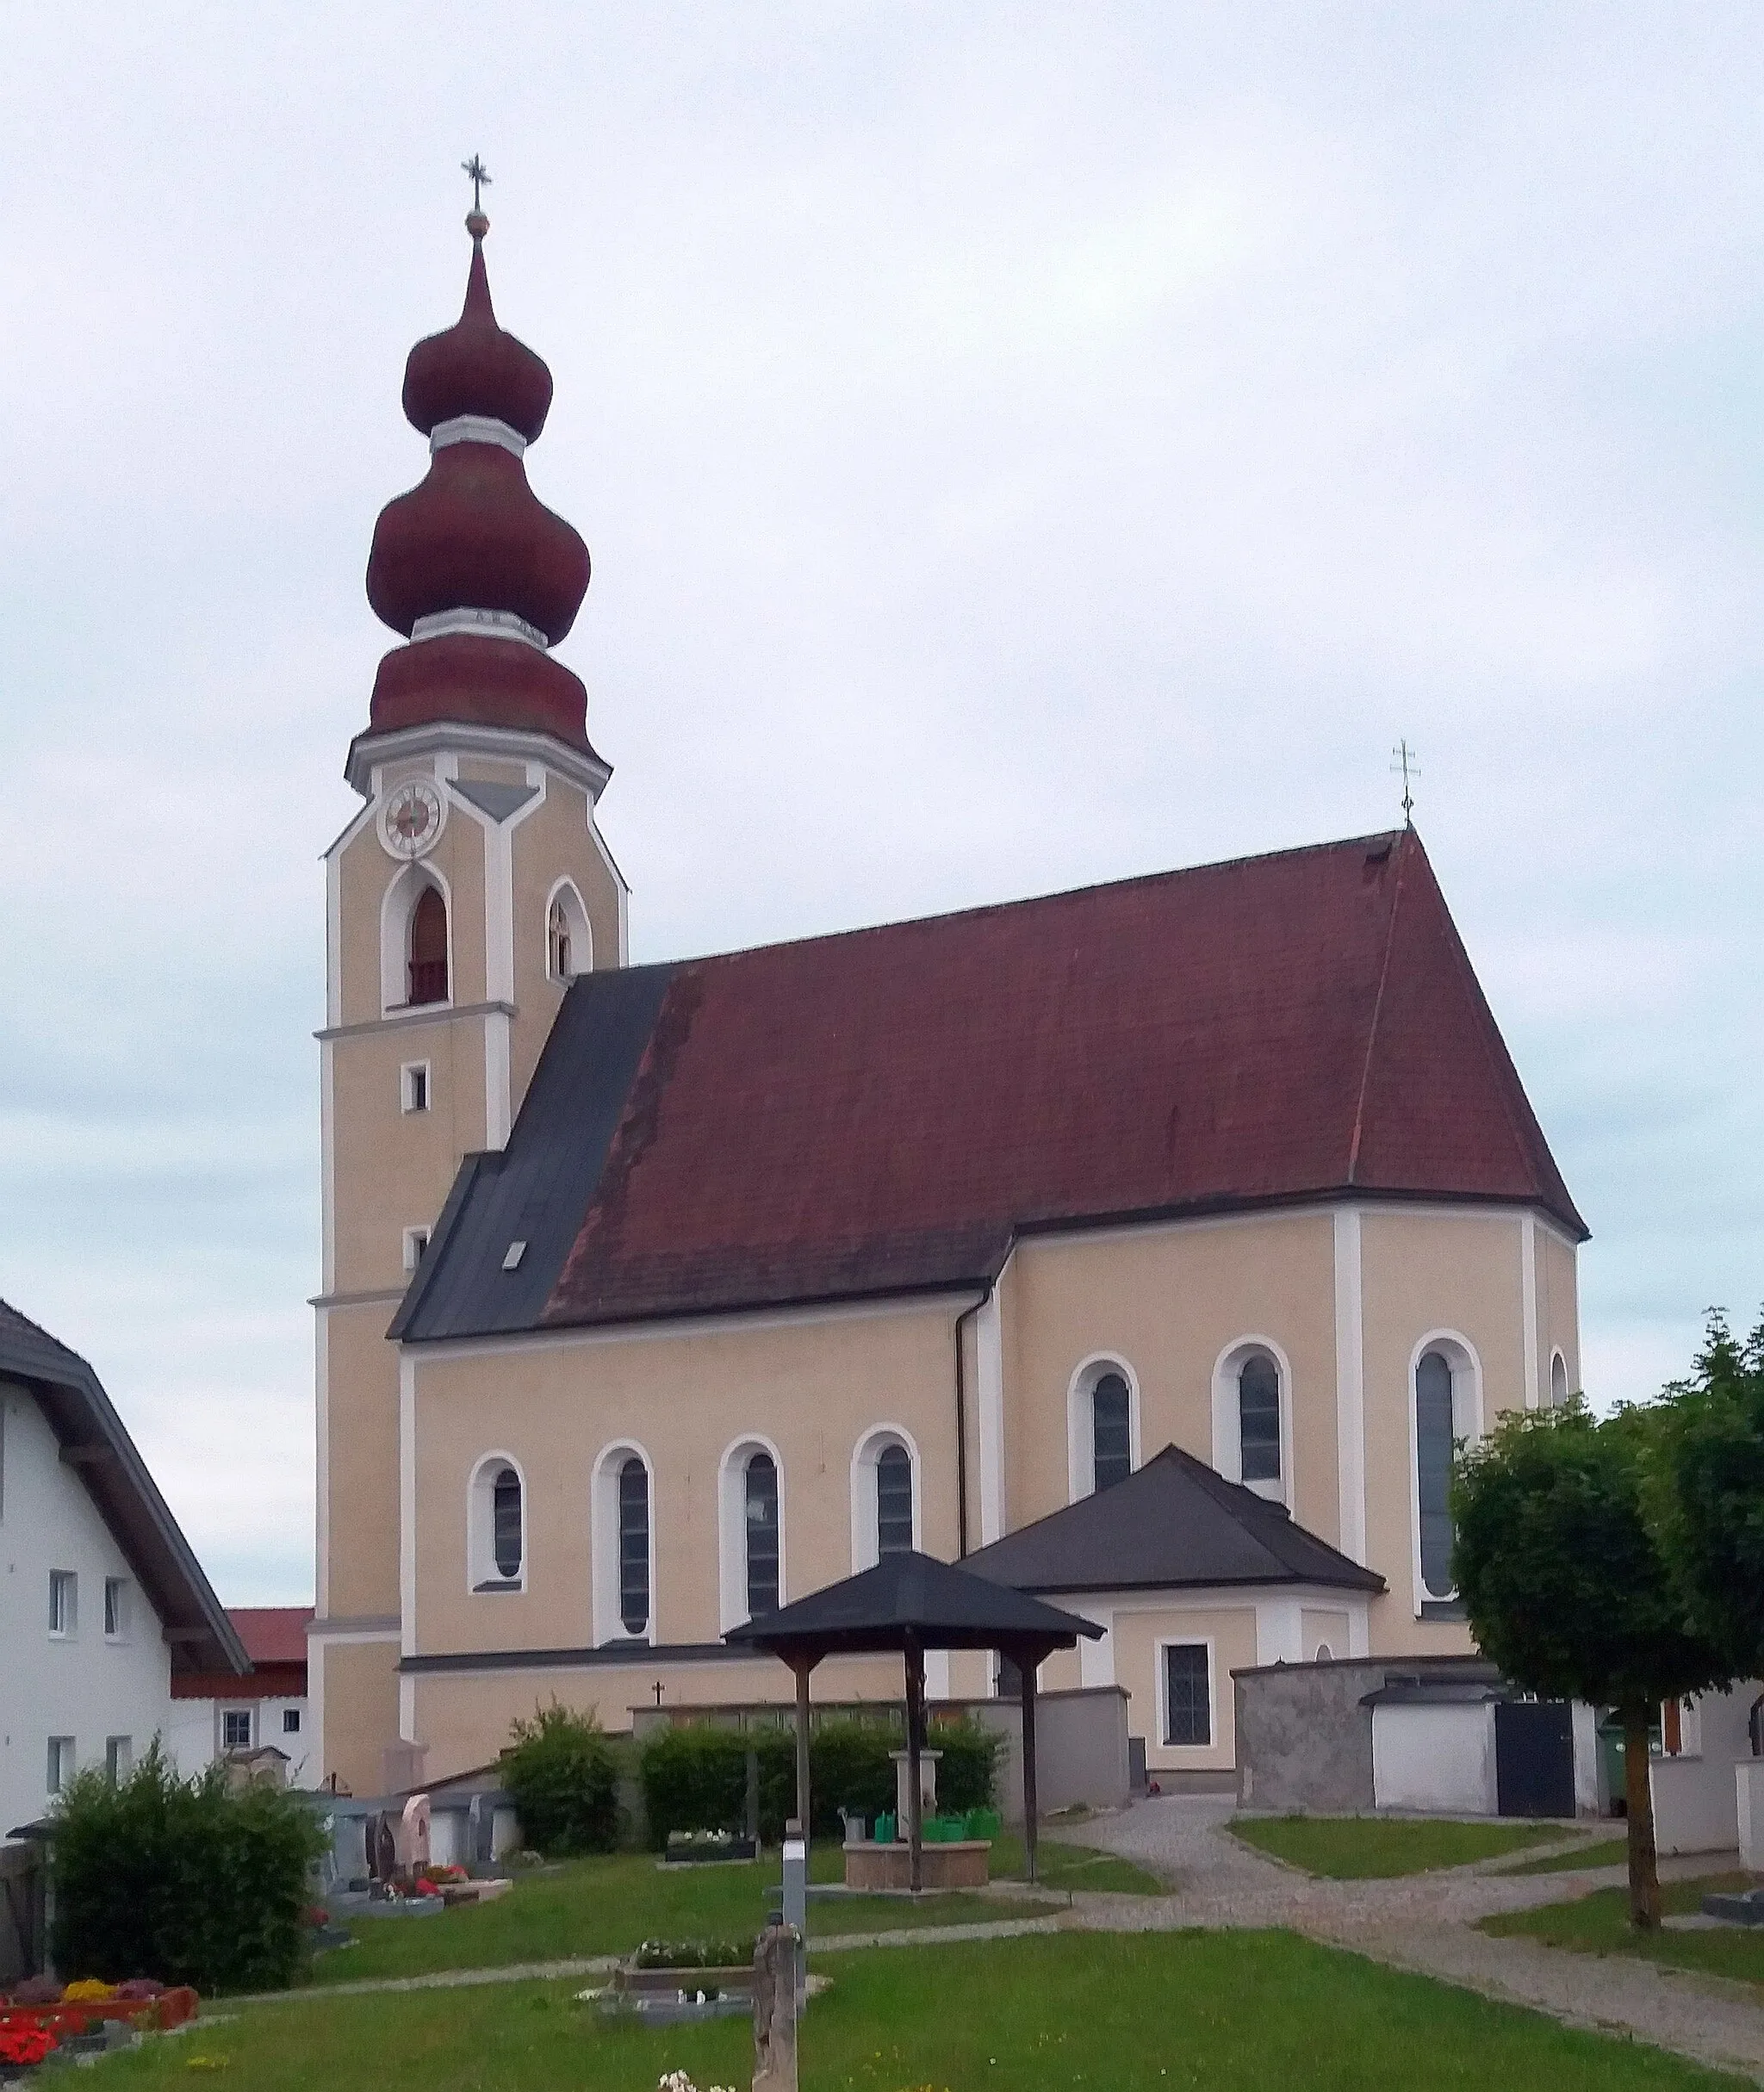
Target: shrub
x: 968, y: 1777
x: 182, y: 1880
x: 564, y: 1778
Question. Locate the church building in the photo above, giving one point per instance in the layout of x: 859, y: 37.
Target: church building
x: 1146, y: 1246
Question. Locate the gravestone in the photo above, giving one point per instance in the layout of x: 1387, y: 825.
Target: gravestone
x: 775, y: 1960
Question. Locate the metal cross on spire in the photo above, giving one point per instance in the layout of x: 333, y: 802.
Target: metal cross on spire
x: 1410, y: 771
x: 478, y: 175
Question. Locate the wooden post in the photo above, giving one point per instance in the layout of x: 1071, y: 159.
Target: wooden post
x: 913, y: 1663
x: 1026, y: 1666
x: 802, y: 1666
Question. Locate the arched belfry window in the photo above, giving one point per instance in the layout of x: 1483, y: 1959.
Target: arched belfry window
x: 1258, y: 1418
x: 427, y: 959
x: 1433, y: 1442
x: 1111, y: 1429
x: 634, y: 1545
x: 569, y: 941
x: 558, y: 952
x: 760, y: 1497
x: 894, y: 1501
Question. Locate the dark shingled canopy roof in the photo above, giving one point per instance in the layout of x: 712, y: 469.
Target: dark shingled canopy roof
x: 1173, y: 1522
x: 944, y: 1606
x: 93, y: 1439
x: 885, y: 1112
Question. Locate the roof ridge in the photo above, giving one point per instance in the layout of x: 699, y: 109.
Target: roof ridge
x: 1353, y: 1145
x: 49, y: 1336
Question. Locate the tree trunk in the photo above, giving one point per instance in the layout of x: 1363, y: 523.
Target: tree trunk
x: 1638, y: 1794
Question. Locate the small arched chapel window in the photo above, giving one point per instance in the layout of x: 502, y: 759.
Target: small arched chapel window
x: 1258, y: 1418
x: 759, y: 1492
x: 894, y: 1501
x: 1111, y: 1429
x: 428, y: 948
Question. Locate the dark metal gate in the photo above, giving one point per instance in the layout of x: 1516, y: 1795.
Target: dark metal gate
x: 1534, y: 1758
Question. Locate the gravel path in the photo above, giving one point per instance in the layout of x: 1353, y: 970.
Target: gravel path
x: 1425, y: 1922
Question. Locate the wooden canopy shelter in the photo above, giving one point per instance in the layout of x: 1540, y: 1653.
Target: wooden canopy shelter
x: 912, y: 1603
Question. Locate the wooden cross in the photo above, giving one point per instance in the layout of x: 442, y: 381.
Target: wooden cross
x: 478, y: 174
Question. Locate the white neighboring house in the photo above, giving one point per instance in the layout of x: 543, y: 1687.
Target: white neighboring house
x: 102, y: 1602
x: 215, y: 1716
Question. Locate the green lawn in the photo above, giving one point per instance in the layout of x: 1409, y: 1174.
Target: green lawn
x: 1234, y: 2012
x: 607, y: 1906
x: 1602, y: 1853
x: 1599, y: 1924
x: 1367, y: 1848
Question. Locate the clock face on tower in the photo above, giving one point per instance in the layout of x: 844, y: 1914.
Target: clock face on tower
x: 412, y: 819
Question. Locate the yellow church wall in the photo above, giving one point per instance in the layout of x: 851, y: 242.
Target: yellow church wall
x: 1426, y: 1273
x: 553, y: 842
x: 361, y: 1455
x: 1168, y: 1301
x: 1137, y: 1636
x: 813, y: 1387
x: 1558, y: 1308
x: 358, y: 1695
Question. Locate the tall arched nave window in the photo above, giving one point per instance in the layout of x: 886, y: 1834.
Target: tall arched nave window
x: 1111, y: 1429
x: 759, y: 1502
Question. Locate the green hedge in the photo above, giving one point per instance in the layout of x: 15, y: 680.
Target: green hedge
x: 696, y: 1778
x: 181, y: 1880
x: 563, y: 1775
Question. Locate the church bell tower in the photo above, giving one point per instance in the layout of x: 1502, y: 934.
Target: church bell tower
x: 461, y: 900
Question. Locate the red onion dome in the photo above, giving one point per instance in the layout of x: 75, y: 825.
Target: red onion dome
x: 483, y: 680
x: 475, y: 535
x: 475, y: 368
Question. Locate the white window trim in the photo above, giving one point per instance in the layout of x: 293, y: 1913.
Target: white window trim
x: 732, y: 1527
x: 1080, y: 1441
x: 603, y: 1516
x: 481, y: 1531
x: 414, y: 1241
x: 866, y: 1541
x: 406, y: 1071
x: 1177, y: 1642
x: 1228, y: 1423
x: 252, y: 1736
x: 67, y: 1580
x: 119, y: 1634
x: 1462, y: 1355
x: 397, y: 905
x: 581, y: 931
x: 1558, y: 1357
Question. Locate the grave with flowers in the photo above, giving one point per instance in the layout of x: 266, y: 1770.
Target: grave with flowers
x: 42, y: 2021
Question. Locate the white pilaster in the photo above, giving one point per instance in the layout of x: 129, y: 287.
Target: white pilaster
x: 407, y: 1504
x: 497, y: 1111
x: 1350, y: 1384
x: 1528, y: 1303
x: 989, y: 1354
x: 1096, y: 1659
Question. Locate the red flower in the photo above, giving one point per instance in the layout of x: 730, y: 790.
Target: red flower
x: 25, y: 2045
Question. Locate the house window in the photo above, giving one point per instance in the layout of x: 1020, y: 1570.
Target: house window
x: 427, y: 959
x: 119, y: 1756
x: 413, y: 1085
x: 506, y: 1523
x: 634, y: 1545
x: 290, y: 1721
x: 1558, y: 1381
x: 1111, y: 1429
x: 761, y: 1495
x: 60, y: 1762
x: 1258, y: 1418
x: 63, y: 1602
x: 1188, y: 1694
x: 115, y: 1608
x: 894, y: 1501
x: 235, y: 1728
x: 1434, y: 1442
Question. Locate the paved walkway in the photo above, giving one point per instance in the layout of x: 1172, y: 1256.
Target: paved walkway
x: 1425, y: 1922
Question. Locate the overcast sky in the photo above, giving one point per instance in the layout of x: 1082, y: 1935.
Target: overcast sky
x: 1019, y: 446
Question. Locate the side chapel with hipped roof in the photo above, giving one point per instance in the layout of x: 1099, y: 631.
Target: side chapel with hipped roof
x: 1146, y: 1247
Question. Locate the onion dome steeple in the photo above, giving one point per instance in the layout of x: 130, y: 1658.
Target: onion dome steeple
x: 477, y: 572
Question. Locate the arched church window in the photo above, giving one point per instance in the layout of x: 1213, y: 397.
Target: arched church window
x: 506, y: 1523
x: 1558, y: 1381
x: 1258, y: 1418
x: 1111, y: 1429
x: 557, y: 943
x: 894, y: 1501
x: 428, y: 948
x: 1434, y: 1442
x: 634, y: 1545
x: 761, y: 1493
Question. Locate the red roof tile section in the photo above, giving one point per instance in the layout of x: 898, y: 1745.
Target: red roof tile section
x: 883, y: 1111
x: 272, y: 1634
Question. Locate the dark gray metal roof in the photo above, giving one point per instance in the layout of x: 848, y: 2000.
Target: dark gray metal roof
x: 1436, y: 1692
x: 911, y: 1593
x: 1173, y: 1522
x: 92, y: 1436
x: 499, y: 801
x: 536, y: 1189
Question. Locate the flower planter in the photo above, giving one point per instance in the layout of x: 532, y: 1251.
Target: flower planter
x: 661, y: 1983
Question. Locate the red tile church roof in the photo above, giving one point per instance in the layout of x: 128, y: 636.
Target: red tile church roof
x: 886, y: 1110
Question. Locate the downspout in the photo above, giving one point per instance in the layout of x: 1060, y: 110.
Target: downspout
x: 962, y: 1425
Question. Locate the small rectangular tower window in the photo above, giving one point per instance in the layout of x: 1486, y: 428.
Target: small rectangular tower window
x: 63, y: 1602
x: 416, y: 1240
x: 413, y: 1081
x: 115, y: 1608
